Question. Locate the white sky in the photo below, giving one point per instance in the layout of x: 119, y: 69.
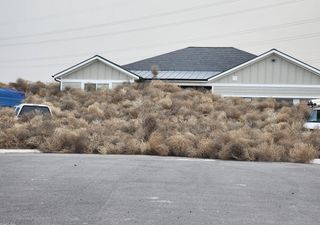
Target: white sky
x: 39, y: 38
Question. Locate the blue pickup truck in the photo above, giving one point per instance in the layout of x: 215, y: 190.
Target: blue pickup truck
x: 10, y: 97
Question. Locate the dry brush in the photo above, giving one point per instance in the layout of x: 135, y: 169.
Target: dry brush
x: 161, y: 119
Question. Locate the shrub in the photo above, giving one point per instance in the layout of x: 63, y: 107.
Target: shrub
x: 95, y: 111
x: 7, y: 119
x: 20, y: 84
x: 313, y: 138
x: 157, y: 145
x: 8, y: 139
x: 302, y: 153
x: 65, y: 140
x: 269, y: 152
x: 149, y: 125
x: 261, y: 104
x: 158, y: 118
x: 165, y: 86
x: 3, y: 85
x: 35, y: 88
x: 68, y: 104
x: 235, y: 151
x: 205, y: 108
x: 166, y: 102
x: 207, y: 148
x: 179, y: 145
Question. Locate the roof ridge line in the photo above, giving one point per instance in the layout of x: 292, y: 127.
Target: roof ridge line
x: 210, y: 47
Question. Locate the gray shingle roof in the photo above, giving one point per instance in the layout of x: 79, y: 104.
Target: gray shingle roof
x: 217, y: 59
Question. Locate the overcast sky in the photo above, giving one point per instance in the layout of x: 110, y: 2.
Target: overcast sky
x: 39, y: 38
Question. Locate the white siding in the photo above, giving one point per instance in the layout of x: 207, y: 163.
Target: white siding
x: 281, y: 71
x: 96, y: 71
x: 273, y: 76
x: 275, y: 91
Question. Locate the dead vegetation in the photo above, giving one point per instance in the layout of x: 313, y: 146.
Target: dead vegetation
x: 161, y: 119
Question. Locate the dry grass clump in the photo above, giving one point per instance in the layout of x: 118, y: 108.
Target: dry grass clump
x: 158, y: 118
x: 180, y: 145
x: 236, y: 151
x: 157, y: 145
x: 7, y: 118
x: 66, y: 140
x: 149, y: 125
x: 302, y: 153
x: 269, y: 152
x: 68, y: 104
x: 207, y: 148
x: 313, y: 138
x: 166, y: 102
x: 20, y: 85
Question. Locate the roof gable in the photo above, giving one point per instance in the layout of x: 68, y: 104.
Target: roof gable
x: 262, y: 57
x: 88, y: 62
x: 217, y: 59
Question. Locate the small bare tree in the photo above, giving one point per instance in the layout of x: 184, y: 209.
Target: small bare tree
x: 155, y: 71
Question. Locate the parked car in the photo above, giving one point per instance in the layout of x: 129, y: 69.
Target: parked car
x: 313, y: 121
x: 24, y: 109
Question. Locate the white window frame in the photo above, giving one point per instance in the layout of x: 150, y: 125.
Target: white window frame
x: 109, y: 82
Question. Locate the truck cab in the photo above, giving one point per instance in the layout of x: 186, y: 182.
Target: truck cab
x: 23, y: 109
x: 313, y: 121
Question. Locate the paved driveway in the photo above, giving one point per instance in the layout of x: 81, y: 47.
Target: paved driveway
x: 39, y: 189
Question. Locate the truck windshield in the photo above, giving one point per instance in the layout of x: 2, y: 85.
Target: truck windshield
x: 314, y: 116
x: 34, y: 109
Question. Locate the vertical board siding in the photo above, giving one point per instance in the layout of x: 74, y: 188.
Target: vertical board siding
x: 97, y: 71
x: 267, y: 72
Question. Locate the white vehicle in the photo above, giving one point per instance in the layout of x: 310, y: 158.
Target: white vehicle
x: 313, y: 121
x: 314, y: 102
x: 24, y: 109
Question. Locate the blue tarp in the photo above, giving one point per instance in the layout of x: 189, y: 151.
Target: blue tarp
x: 10, y: 97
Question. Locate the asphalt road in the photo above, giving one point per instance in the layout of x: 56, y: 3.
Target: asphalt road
x: 40, y: 189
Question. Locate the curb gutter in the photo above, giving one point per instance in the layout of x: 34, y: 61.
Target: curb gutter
x: 9, y: 151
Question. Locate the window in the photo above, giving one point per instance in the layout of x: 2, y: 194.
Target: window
x: 34, y: 109
x: 102, y: 87
x: 314, y: 116
x: 74, y: 85
x: 199, y: 88
x: 90, y: 87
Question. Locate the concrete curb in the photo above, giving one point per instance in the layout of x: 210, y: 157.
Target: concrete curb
x: 9, y: 151
x: 315, y: 161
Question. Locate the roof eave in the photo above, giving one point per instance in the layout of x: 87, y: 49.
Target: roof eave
x: 172, y: 79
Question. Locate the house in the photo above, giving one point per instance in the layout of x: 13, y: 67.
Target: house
x: 272, y: 74
x: 191, y: 66
x: 235, y: 73
x: 95, y: 73
x: 226, y: 71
